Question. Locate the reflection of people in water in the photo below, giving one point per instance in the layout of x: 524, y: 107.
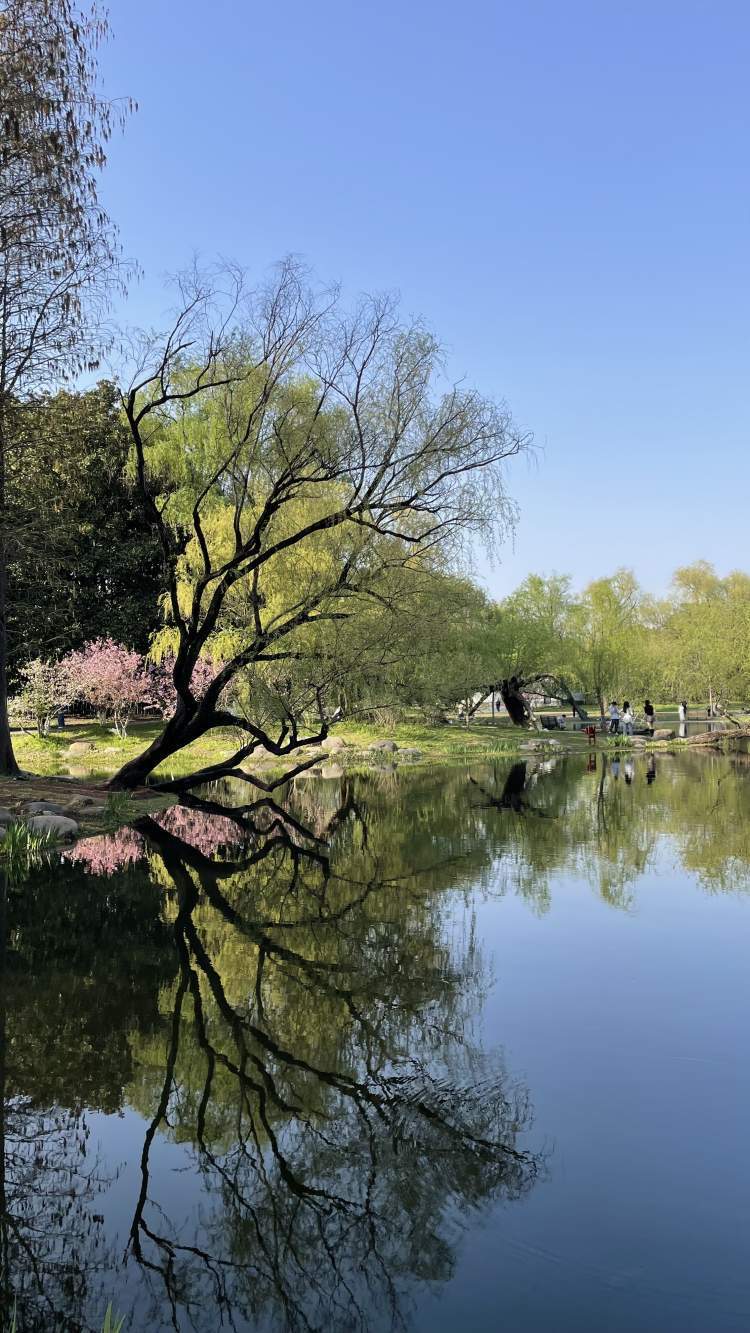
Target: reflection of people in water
x: 629, y: 771
x: 651, y: 769
x: 615, y: 768
x: 591, y: 766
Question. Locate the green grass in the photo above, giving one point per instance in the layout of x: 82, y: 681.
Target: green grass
x: 441, y: 744
x: 48, y: 757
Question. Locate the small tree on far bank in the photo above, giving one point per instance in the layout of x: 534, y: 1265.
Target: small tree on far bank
x: 46, y: 689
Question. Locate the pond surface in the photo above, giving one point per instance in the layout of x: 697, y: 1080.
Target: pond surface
x: 421, y: 1050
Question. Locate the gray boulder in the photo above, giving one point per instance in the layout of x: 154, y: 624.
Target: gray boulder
x: 663, y: 734
x: 58, y: 825
x: 43, y: 808
x: 410, y: 756
x: 80, y: 747
x: 6, y: 817
x: 385, y: 747
x: 79, y: 804
x: 334, y: 743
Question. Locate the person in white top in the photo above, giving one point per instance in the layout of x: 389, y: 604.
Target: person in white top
x: 627, y: 719
x: 614, y: 718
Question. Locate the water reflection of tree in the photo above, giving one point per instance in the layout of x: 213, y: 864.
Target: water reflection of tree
x: 316, y: 1058
x: 296, y: 1009
x: 72, y: 966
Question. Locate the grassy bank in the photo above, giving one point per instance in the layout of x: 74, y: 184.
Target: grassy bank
x: 50, y: 757
x: 448, y: 744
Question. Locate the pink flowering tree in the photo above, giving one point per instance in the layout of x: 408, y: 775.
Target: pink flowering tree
x: 111, y: 678
x: 162, y: 693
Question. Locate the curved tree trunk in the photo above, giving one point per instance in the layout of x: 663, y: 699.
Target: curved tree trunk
x: 516, y: 706
x: 178, y: 732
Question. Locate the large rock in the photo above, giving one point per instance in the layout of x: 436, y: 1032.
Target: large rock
x: 334, y: 743
x: 43, y: 808
x: 80, y: 747
x: 57, y: 825
x: 79, y: 804
x: 384, y: 747
x: 410, y: 756
x: 332, y: 771
x: 663, y: 734
x: 6, y: 817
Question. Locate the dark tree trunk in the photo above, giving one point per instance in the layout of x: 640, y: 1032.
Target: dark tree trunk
x: 517, y: 708
x: 566, y: 694
x: 178, y: 732
x: 8, y: 764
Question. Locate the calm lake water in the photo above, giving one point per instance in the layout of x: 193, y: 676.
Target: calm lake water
x: 423, y: 1050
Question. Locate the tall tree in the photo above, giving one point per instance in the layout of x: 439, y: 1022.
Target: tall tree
x: 56, y: 243
x: 97, y: 573
x: 318, y: 437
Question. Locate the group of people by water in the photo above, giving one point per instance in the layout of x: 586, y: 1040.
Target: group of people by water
x: 626, y: 718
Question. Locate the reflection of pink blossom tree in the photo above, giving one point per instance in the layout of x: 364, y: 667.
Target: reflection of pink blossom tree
x: 107, y: 854
x: 111, y: 678
x: 206, y: 832
x: 161, y: 685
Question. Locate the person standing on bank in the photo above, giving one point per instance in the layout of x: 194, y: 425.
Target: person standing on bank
x: 648, y: 710
x: 614, y: 718
x: 627, y: 719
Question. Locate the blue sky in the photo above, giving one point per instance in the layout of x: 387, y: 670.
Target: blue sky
x: 561, y: 189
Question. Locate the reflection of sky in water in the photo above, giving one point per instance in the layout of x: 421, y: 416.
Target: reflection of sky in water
x: 619, y: 999
x: 631, y: 1031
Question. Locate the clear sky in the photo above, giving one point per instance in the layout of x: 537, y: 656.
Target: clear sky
x: 561, y: 189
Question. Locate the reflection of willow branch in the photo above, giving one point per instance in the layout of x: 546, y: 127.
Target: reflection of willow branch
x: 336, y: 1178
x: 245, y: 817
x: 274, y: 839
x: 512, y: 796
x: 45, y: 1221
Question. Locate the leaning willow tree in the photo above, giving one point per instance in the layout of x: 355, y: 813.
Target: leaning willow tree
x: 57, y: 249
x: 302, y: 471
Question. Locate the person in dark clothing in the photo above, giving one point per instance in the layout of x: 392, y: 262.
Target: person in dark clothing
x: 648, y: 709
